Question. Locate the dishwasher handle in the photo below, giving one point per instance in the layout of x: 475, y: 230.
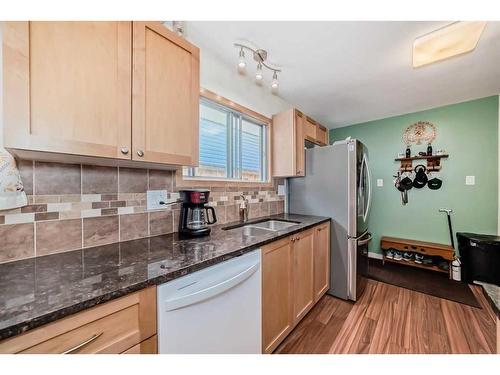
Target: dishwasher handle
x: 204, y: 294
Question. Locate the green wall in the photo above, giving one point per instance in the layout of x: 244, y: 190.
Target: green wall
x: 469, y: 133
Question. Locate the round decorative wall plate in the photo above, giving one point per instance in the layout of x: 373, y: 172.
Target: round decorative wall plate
x: 421, y: 131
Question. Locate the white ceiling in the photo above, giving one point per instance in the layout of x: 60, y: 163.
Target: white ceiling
x: 342, y: 73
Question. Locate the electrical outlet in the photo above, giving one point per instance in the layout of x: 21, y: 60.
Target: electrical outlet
x: 154, y: 197
x: 380, y: 182
x: 470, y: 180
x: 281, y: 190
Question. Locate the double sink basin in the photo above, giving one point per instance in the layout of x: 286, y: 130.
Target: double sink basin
x: 262, y: 228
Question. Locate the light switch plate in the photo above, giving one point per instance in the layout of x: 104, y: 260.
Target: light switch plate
x: 154, y: 197
x: 380, y: 182
x: 470, y: 180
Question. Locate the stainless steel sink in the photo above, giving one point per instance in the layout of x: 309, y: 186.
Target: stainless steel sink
x: 253, y: 231
x: 274, y: 225
x: 261, y: 228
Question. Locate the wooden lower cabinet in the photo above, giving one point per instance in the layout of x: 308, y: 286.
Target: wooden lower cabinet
x: 276, y: 293
x: 148, y: 346
x: 112, y: 328
x: 302, y: 273
x: 321, y: 260
x: 295, y: 274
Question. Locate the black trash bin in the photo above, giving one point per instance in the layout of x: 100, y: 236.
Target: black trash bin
x: 480, y: 257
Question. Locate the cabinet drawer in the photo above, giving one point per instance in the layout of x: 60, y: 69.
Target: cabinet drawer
x: 110, y: 328
x: 148, y: 346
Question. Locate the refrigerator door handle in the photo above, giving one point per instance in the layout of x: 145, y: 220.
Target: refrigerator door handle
x: 358, y: 237
x: 369, y: 176
x: 365, y: 241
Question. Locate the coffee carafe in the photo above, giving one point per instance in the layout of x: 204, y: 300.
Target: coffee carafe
x: 195, y: 214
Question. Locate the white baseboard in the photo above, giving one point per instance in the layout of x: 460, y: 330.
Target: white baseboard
x: 375, y: 255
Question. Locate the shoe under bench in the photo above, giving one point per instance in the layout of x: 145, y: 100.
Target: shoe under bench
x: 421, y: 247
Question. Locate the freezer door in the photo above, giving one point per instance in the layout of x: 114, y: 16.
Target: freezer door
x: 358, y: 263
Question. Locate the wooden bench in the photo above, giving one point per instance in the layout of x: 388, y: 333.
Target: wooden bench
x: 425, y: 248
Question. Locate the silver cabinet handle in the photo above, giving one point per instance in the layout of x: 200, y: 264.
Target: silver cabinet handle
x: 124, y: 150
x: 140, y: 153
x: 81, y: 345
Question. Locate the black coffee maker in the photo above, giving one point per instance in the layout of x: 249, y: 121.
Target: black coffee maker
x: 195, y: 218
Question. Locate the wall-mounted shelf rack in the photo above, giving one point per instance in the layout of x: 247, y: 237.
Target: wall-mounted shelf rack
x: 433, y: 162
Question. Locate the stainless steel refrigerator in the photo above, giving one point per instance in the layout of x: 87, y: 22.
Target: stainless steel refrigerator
x: 338, y: 185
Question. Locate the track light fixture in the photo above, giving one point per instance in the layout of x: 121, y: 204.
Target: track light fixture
x: 260, y: 56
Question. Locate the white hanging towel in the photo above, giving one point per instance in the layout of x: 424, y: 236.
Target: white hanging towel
x: 12, y: 193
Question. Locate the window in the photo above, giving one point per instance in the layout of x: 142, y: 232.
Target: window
x: 232, y: 145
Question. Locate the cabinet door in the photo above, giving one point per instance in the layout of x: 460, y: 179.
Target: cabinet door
x: 67, y: 87
x: 300, y: 161
x: 110, y: 328
x: 165, y: 101
x: 148, y: 346
x: 321, y: 136
x: 321, y: 260
x: 303, y: 293
x: 309, y: 129
x: 276, y: 293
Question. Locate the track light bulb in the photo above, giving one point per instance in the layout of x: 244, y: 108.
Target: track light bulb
x: 275, y: 83
x: 241, y: 62
x: 258, y: 75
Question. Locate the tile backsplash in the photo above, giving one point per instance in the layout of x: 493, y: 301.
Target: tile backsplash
x: 73, y: 206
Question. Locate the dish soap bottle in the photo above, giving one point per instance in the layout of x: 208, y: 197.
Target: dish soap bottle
x: 429, y: 150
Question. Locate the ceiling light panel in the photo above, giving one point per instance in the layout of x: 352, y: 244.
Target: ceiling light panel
x: 452, y: 40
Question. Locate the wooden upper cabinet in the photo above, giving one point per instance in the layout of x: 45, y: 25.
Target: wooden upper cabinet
x: 321, y: 135
x: 303, y: 268
x: 291, y: 129
x: 309, y: 129
x: 165, y: 100
x: 321, y: 260
x: 299, y: 157
x: 118, y: 90
x: 67, y: 87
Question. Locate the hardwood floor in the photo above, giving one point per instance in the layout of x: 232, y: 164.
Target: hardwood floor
x: 389, y: 319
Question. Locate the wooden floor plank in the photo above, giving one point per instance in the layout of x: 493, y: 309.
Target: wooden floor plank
x: 436, y: 327
x: 334, y: 325
x: 352, y: 324
x: 389, y: 319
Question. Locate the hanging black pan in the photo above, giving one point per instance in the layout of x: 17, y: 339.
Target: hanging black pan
x: 435, y: 183
x: 420, y: 179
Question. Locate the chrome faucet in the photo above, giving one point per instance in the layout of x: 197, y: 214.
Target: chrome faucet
x: 243, y: 209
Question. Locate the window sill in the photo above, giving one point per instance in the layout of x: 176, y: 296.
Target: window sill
x: 182, y: 181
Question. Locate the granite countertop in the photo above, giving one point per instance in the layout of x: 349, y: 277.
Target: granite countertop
x: 40, y: 290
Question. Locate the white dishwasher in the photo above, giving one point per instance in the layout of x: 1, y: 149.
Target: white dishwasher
x: 215, y: 310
